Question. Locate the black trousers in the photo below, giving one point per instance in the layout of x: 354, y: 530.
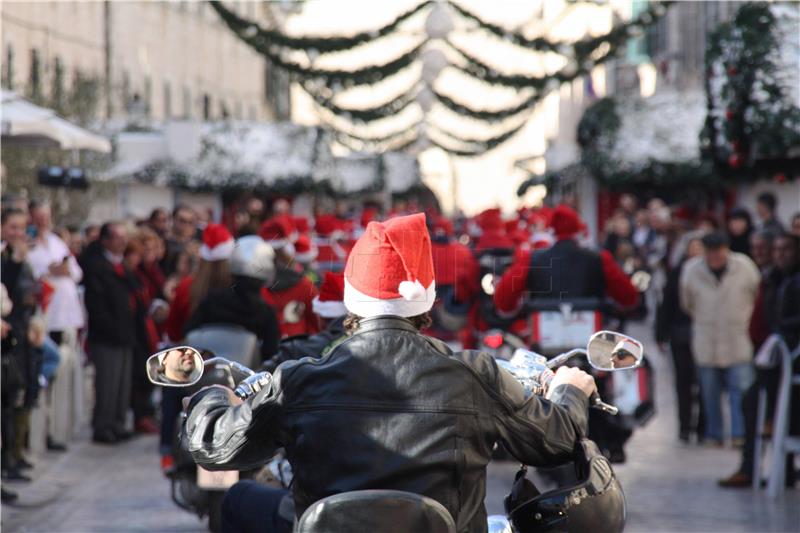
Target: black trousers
x: 141, y: 388
x: 250, y: 507
x: 687, y: 389
x: 112, y: 382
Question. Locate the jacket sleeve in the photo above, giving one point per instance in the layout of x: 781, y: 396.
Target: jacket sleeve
x: 509, y: 291
x: 618, y: 286
x: 535, y: 430
x: 222, y: 436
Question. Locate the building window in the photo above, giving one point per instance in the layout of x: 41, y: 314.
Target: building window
x: 8, y: 71
x: 223, y: 111
x: 167, y: 101
x: 35, y: 79
x: 206, y: 107
x: 187, y: 102
x: 126, y: 90
x: 58, y: 84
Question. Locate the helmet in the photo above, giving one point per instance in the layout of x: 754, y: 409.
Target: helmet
x: 594, y: 503
x: 253, y: 258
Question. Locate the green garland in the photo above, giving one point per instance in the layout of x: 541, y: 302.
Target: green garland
x: 479, y: 146
x: 751, y: 126
x: 483, y: 114
x: 248, y: 32
x: 363, y: 115
x: 580, y: 51
x: 313, y: 45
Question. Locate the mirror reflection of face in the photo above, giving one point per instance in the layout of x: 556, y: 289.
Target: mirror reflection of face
x: 612, y: 351
x: 179, y: 365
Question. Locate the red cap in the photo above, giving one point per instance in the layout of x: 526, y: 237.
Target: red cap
x: 565, y: 222
x: 217, y: 244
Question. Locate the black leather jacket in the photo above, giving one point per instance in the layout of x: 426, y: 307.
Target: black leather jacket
x: 389, y: 408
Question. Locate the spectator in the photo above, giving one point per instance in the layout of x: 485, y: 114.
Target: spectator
x: 18, y: 366
x: 149, y: 270
x: 766, y: 204
x: 184, y: 266
x: 53, y: 264
x: 761, y: 249
x: 770, y: 315
x: 796, y: 225
x: 254, y: 207
x: 158, y: 221
x: 90, y: 234
x: 740, y: 227
x: 718, y: 291
x: 213, y: 273
x: 145, y: 340
x: 112, y: 331
x: 673, y: 325
x: 184, y: 230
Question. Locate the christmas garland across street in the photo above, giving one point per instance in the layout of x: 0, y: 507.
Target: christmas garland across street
x: 364, y: 115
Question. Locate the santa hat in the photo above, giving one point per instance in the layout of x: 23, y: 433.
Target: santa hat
x: 305, y: 250
x: 390, y: 269
x: 217, y: 244
x: 565, y: 222
x: 329, y: 303
x: 279, y: 233
x: 328, y: 225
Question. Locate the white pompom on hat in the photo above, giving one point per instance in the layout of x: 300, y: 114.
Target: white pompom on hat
x: 217, y: 244
x: 390, y: 269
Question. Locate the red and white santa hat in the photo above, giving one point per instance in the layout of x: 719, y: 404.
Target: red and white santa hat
x: 217, y: 244
x: 305, y: 250
x: 279, y: 233
x: 390, y: 269
x: 329, y: 303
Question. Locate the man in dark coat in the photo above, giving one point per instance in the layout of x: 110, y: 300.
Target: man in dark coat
x: 110, y: 305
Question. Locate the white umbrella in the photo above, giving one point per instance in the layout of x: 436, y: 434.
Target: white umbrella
x: 24, y: 123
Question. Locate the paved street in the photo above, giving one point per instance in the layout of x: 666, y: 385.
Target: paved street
x: 669, y: 487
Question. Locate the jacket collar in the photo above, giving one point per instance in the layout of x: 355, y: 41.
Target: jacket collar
x: 384, y: 322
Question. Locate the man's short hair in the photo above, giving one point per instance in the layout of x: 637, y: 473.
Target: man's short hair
x: 768, y: 199
x: 105, y: 229
x: 9, y: 212
x: 767, y: 235
x: 715, y: 240
x: 181, y: 207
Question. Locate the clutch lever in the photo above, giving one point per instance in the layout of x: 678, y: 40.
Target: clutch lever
x: 597, y: 403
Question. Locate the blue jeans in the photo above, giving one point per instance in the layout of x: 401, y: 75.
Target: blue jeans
x: 249, y: 507
x: 734, y: 380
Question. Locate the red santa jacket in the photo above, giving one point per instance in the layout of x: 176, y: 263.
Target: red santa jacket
x: 291, y: 296
x: 454, y: 265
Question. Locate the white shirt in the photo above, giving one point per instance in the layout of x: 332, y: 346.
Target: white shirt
x: 65, y: 311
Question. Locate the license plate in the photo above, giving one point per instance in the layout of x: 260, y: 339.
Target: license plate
x: 222, y: 479
x: 557, y: 331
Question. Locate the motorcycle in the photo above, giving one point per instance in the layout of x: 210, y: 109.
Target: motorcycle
x: 193, y: 488
x: 572, y: 508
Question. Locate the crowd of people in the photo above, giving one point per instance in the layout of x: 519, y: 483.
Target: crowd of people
x: 122, y: 290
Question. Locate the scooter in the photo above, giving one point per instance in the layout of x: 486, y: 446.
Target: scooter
x: 527, y: 510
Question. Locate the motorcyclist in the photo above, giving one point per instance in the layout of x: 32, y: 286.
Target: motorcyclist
x: 389, y: 408
x: 564, y: 271
x: 252, y: 266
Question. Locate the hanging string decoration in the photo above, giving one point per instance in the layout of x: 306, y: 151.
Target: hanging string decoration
x: 323, y: 85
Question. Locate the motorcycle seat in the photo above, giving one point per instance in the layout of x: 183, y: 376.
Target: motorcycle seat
x: 387, y: 511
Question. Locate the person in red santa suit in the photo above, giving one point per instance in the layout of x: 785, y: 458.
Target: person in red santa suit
x: 456, y: 271
x: 331, y: 241
x: 563, y: 271
x: 291, y: 293
x: 329, y: 306
x: 213, y: 273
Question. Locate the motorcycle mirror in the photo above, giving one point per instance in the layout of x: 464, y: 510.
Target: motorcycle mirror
x: 180, y: 366
x: 609, y: 350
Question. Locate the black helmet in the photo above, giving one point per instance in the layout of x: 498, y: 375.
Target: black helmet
x: 594, y: 503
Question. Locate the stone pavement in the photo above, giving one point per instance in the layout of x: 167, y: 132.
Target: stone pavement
x: 669, y: 487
